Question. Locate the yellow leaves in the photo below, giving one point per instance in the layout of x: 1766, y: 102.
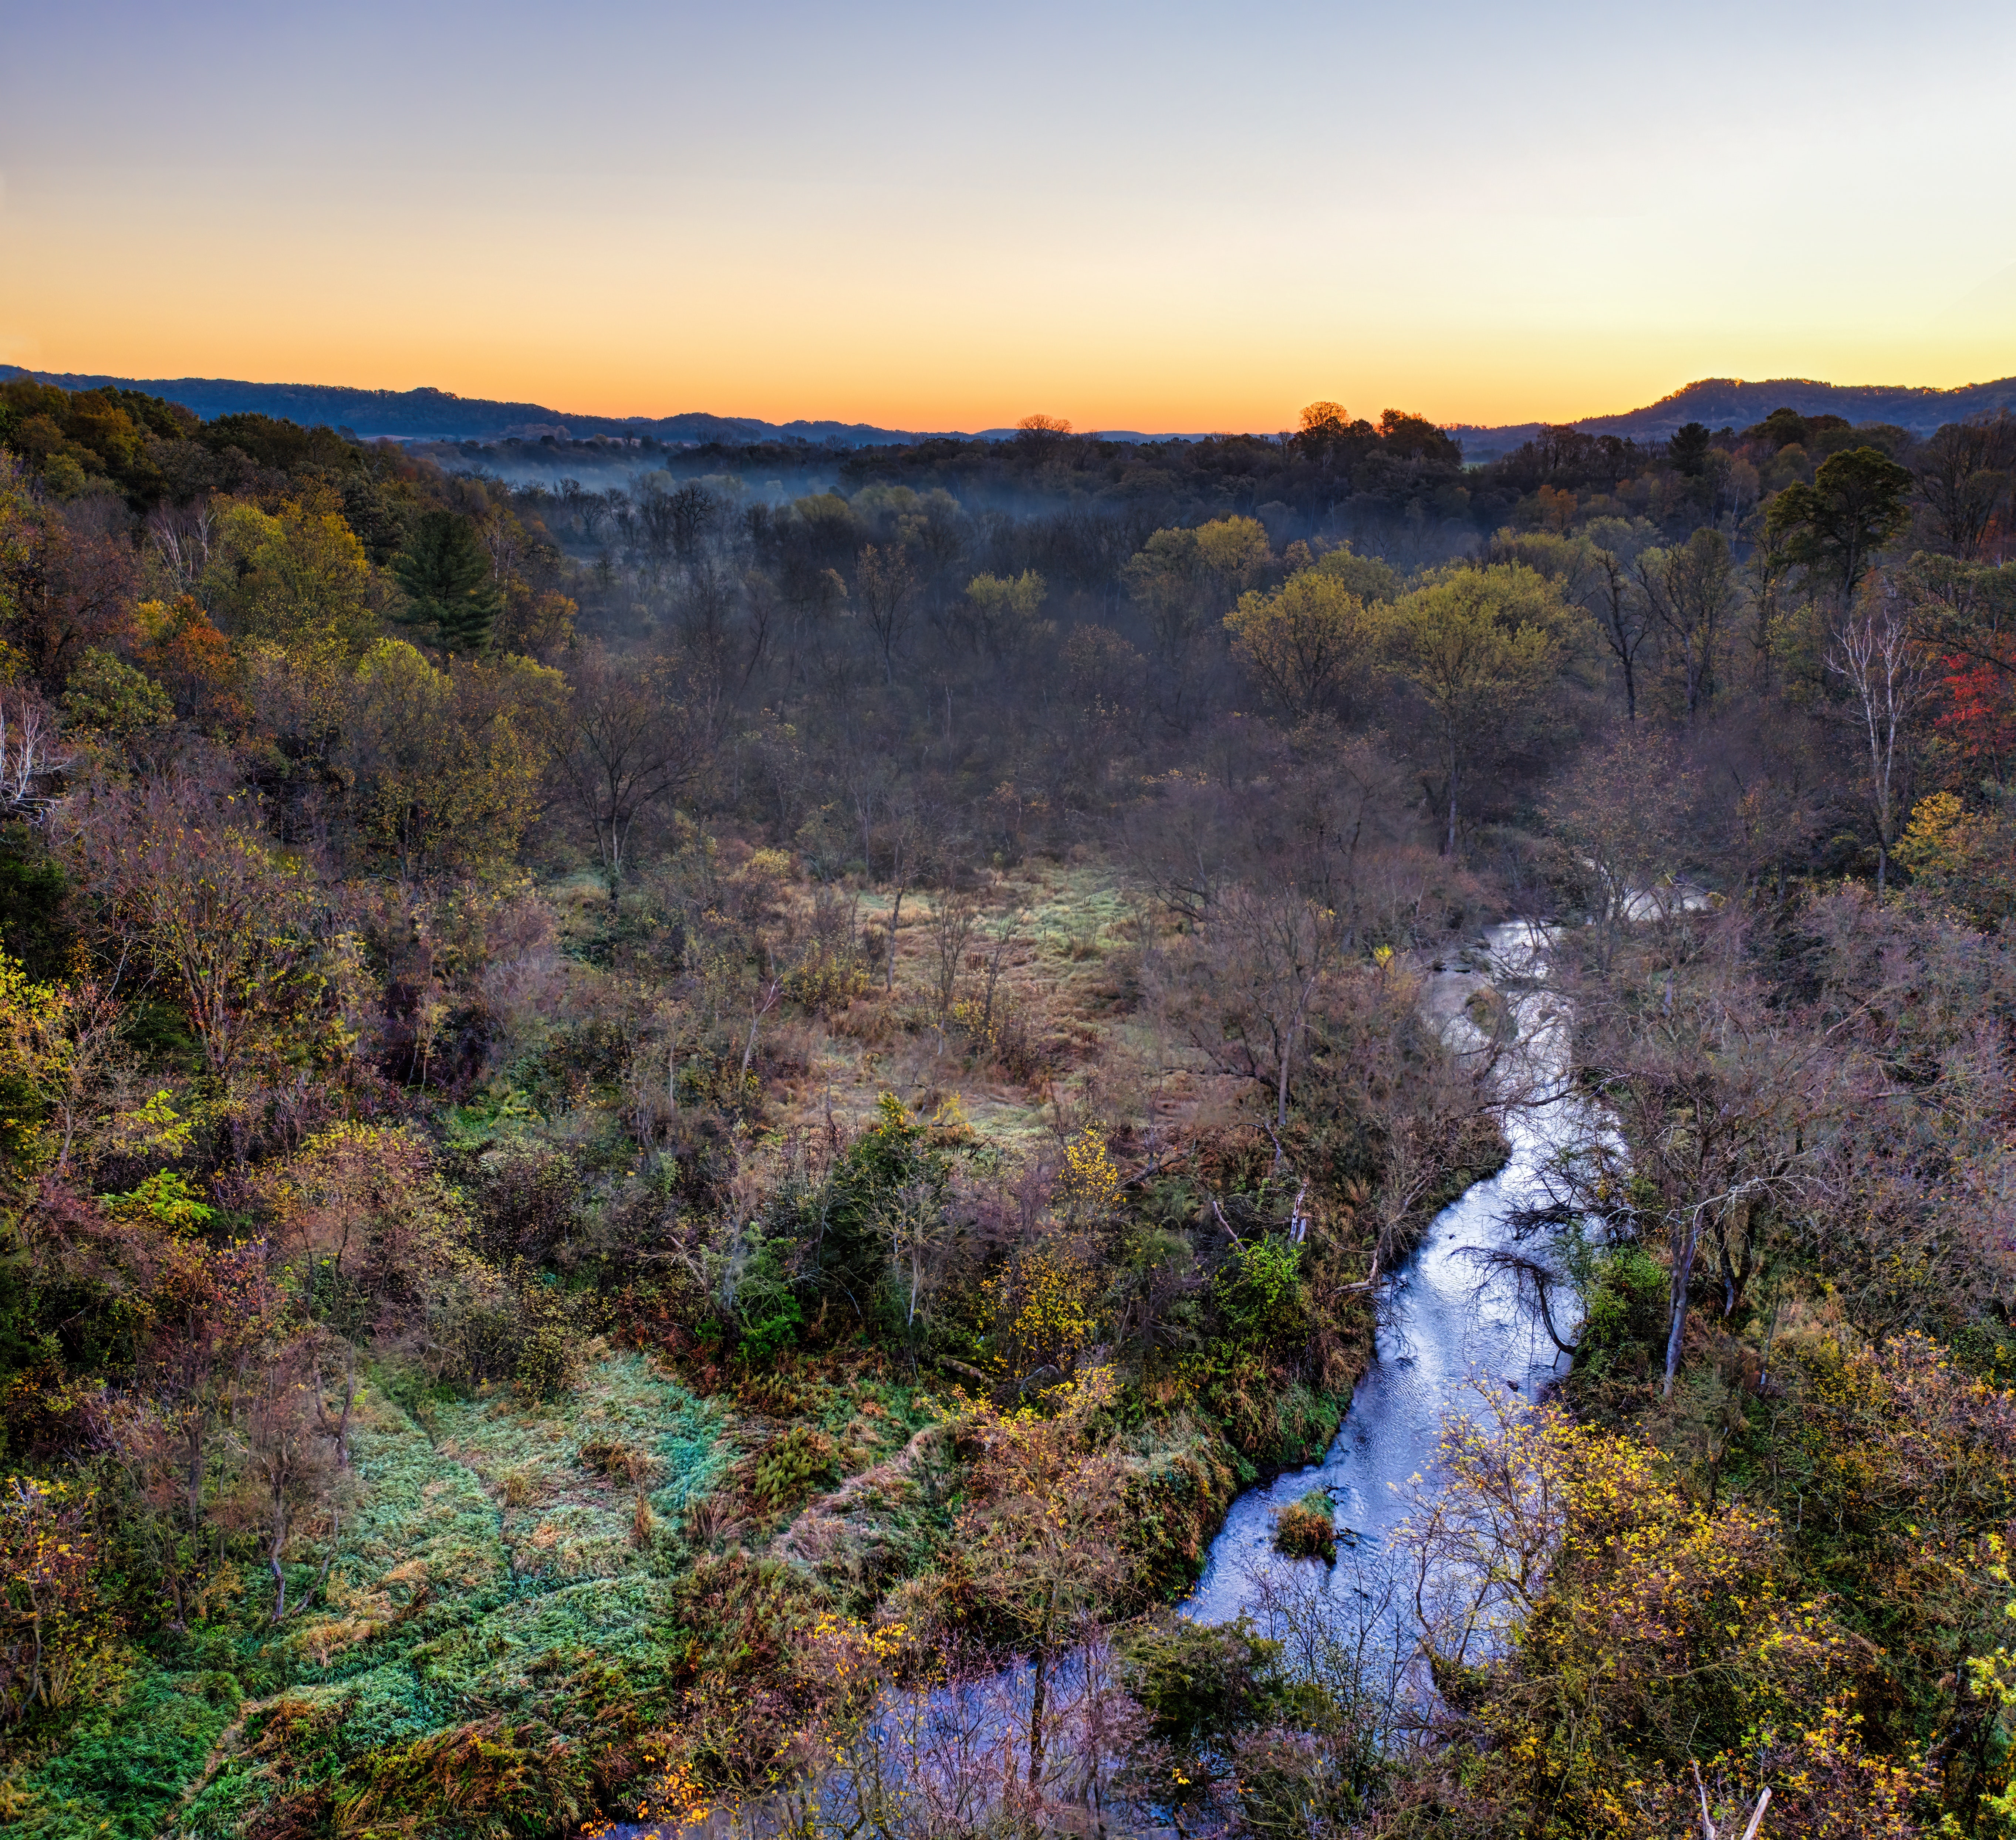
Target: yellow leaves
x: 158, y: 1125
x: 1004, y: 612
x: 1472, y: 633
x: 1178, y: 571
x: 1037, y: 1311
x: 166, y: 1198
x: 1305, y: 642
x: 892, y: 1117
x: 300, y: 578
x: 1961, y: 858
x: 440, y: 761
x: 1232, y: 547
x: 849, y: 1645
x: 1587, y: 1554
x: 1935, y: 837
x: 1090, y: 1183
x: 948, y: 1123
x: 57, y: 1049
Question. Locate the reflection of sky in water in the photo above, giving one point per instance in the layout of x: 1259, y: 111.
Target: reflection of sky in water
x: 1446, y: 1324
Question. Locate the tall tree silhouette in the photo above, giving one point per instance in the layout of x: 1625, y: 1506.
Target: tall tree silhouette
x: 446, y: 574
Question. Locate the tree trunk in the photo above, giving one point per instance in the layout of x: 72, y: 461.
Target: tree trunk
x: 273, y: 1563
x: 194, y: 1469
x: 1036, y: 1718
x: 1452, y: 755
x: 1683, y: 1265
x: 1041, y: 1660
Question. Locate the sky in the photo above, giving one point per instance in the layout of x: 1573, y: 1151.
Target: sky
x: 1173, y: 216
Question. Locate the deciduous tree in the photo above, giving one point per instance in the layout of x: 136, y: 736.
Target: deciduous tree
x: 1885, y: 670
x: 1859, y: 499
x: 885, y: 587
x: 441, y: 762
x: 1479, y: 645
x: 183, y: 878
x: 1306, y: 643
x: 298, y: 576
x: 1041, y: 1532
x: 621, y: 741
x: 1691, y: 592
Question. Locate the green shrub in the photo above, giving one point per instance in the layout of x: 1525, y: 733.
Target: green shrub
x: 1200, y: 1681
x: 1259, y: 1293
x: 489, y: 1780
x: 767, y: 1310
x: 1624, y: 1320
x: 1307, y: 1529
x: 1201, y: 1685
x: 127, y: 1761
x: 108, y: 697
x: 798, y: 1462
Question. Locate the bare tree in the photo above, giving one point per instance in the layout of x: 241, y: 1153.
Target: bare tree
x: 1620, y: 810
x: 1691, y: 590
x: 180, y: 536
x: 621, y: 742
x: 1042, y: 1530
x: 1964, y: 474
x: 954, y: 919
x: 1004, y: 935
x: 885, y: 585
x: 30, y: 753
x: 333, y: 1422
x: 1267, y: 953
x: 185, y: 881
x: 1620, y: 616
x: 901, y: 829
x: 913, y: 1220
x: 1722, y: 1103
x: 293, y: 1474
x: 762, y: 999
x: 705, y: 609
x: 1874, y: 651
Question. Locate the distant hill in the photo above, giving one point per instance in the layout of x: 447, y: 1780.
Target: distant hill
x: 1730, y: 402
x: 437, y: 415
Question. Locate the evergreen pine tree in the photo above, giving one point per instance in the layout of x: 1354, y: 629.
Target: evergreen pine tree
x: 446, y: 575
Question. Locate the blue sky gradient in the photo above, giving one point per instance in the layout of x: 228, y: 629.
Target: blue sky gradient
x: 1164, y: 216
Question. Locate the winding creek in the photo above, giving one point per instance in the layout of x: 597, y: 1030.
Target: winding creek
x: 1447, y: 1323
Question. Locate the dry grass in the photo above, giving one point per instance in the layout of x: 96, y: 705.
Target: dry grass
x: 1067, y: 981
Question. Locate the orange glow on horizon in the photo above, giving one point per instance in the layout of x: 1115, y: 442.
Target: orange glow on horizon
x: 322, y: 206
x: 871, y: 387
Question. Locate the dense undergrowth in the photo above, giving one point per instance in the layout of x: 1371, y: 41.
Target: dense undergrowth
x: 641, y: 1141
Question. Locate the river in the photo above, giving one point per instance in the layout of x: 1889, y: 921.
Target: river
x: 1447, y: 1323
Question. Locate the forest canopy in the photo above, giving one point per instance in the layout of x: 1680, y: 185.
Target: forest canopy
x: 654, y: 1098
